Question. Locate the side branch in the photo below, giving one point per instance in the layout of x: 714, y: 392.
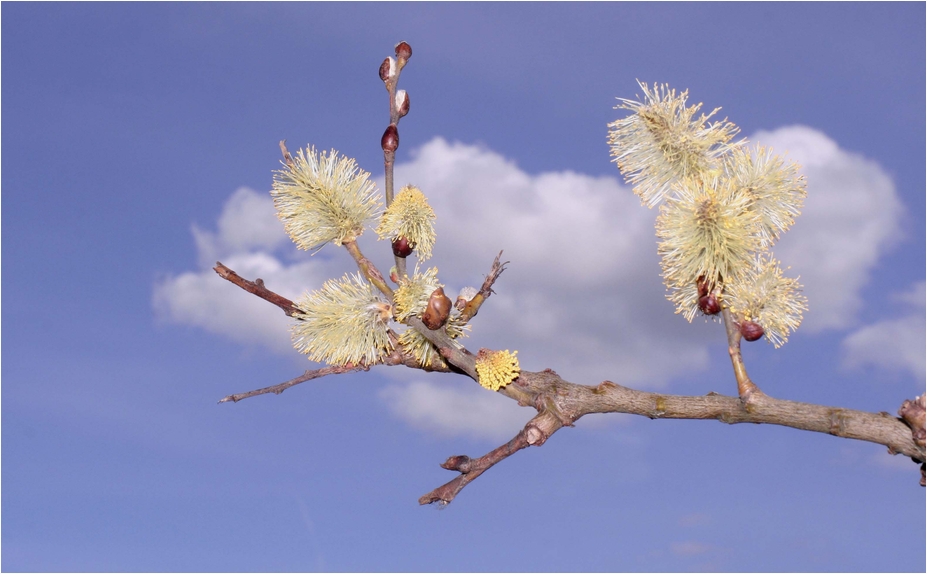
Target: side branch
x: 307, y: 376
x: 256, y: 287
x: 470, y: 469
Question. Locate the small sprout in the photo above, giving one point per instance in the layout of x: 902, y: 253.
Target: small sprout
x: 402, y: 103
x: 403, y: 50
x: 496, y: 369
x: 409, y: 218
x: 323, y: 198
x: 402, y: 247
x: 751, y: 331
x: 390, y: 139
x: 437, y: 310
x: 465, y: 296
x: 394, y: 274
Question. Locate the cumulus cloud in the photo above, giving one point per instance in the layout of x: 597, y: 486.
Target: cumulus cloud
x: 250, y: 240
x: 894, y: 344
x: 582, y: 294
x: 850, y: 219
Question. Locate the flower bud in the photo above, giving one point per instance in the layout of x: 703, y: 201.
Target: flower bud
x: 708, y: 304
x: 403, y: 50
x: 703, y: 286
x: 466, y: 295
x: 402, y: 247
x: 394, y: 275
x: 390, y: 139
x: 437, y: 310
x: 402, y: 103
x: 388, y: 69
x: 751, y: 331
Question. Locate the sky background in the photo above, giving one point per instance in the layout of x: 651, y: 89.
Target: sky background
x: 138, y: 148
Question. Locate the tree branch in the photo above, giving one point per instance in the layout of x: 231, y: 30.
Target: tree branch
x: 561, y: 403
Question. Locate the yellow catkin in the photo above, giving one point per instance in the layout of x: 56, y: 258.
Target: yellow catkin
x: 496, y: 368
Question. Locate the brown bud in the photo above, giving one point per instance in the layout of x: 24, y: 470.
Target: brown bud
x: 708, y: 304
x: 703, y: 287
x: 437, y: 310
x: 385, y: 68
x: 394, y: 275
x: 402, y: 247
x: 390, y: 139
x: 403, y: 50
x: 751, y: 331
x: 402, y: 103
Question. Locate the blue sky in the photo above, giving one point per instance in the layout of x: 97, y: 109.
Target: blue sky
x: 138, y: 146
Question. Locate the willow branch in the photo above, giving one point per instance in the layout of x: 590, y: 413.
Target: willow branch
x: 560, y: 403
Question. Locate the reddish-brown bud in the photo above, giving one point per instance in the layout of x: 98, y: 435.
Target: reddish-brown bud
x: 708, y: 304
x: 437, y: 310
x: 390, y: 139
x: 751, y: 331
x: 403, y: 50
x: 402, y: 103
x: 394, y: 275
x: 402, y: 247
x: 385, y: 69
x: 703, y: 286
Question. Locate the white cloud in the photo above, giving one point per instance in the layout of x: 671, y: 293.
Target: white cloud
x: 582, y: 294
x: 248, y: 231
x: 248, y: 222
x: 893, y: 344
x: 850, y: 219
x: 456, y: 410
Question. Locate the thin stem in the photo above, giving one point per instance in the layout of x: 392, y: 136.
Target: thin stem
x: 369, y: 270
x: 389, y: 155
x: 745, y: 387
x: 307, y: 376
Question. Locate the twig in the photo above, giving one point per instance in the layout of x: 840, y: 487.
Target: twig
x: 307, y: 376
x: 470, y: 469
x: 369, y: 270
x: 473, y: 306
x: 257, y: 288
